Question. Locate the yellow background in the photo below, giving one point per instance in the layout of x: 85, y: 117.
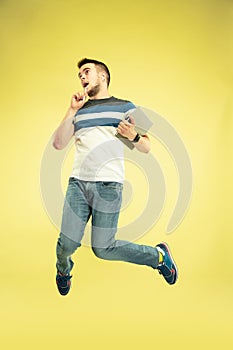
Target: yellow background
x: 173, y: 57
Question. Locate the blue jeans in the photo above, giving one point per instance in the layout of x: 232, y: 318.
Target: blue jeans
x: 102, y: 202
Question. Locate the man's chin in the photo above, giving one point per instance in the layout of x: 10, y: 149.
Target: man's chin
x: 93, y: 91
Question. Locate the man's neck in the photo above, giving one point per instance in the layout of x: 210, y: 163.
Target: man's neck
x: 101, y: 95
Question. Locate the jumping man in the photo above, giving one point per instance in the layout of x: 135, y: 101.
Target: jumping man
x: 94, y: 191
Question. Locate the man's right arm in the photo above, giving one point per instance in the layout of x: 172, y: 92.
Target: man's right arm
x: 65, y: 131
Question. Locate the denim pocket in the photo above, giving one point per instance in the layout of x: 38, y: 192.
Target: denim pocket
x: 112, y: 185
x: 109, y: 192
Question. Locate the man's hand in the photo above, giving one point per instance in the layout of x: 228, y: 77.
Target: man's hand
x: 126, y: 128
x: 78, y: 100
x: 65, y: 131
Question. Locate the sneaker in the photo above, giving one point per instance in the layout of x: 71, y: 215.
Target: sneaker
x: 63, y: 283
x: 168, y: 267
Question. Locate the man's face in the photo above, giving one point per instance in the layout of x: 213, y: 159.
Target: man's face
x: 90, y: 79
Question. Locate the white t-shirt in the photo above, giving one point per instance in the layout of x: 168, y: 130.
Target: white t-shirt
x: 99, y: 154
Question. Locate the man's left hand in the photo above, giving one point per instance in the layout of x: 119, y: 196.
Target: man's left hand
x: 127, y: 128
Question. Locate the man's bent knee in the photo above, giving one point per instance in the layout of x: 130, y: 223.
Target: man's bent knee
x: 102, y: 253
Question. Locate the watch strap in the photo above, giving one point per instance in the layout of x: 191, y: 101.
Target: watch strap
x: 137, y: 138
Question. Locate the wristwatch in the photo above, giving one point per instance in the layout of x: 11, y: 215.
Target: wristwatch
x: 137, y: 138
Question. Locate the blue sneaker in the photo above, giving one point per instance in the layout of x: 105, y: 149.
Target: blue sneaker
x: 63, y: 283
x: 167, y: 267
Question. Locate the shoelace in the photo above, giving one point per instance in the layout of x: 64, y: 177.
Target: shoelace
x: 164, y: 270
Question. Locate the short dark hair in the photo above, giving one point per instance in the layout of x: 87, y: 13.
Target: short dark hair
x: 97, y: 63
